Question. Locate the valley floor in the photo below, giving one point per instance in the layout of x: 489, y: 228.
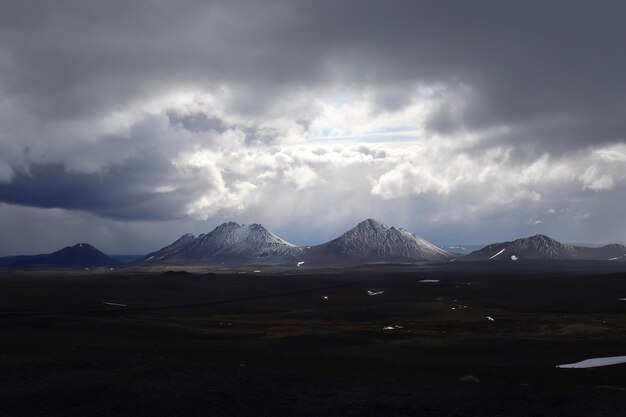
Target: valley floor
x: 449, y: 340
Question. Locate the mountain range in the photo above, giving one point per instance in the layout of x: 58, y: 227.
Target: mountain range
x: 368, y: 242
x: 231, y: 243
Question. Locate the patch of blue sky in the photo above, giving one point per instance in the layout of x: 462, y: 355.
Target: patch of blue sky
x: 395, y: 134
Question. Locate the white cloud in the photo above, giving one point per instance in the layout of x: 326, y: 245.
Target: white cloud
x: 302, y: 177
x: 595, y: 181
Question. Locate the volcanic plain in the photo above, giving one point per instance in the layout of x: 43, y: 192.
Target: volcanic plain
x: 450, y: 339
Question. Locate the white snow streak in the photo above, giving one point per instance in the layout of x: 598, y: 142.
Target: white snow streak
x: 114, y: 304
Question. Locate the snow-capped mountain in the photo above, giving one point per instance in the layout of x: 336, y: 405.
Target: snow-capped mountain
x: 229, y: 243
x: 80, y: 255
x: 541, y: 247
x: 374, y: 242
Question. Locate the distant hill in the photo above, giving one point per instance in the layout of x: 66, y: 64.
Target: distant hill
x: 374, y: 242
x: 81, y: 255
x: 611, y: 252
x: 20, y: 260
x: 461, y: 249
x: 541, y: 247
x: 126, y: 258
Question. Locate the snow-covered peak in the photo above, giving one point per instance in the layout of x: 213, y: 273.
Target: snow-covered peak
x: 81, y: 246
x: 227, y: 226
x: 372, y: 224
x: 232, y: 242
x: 187, y: 237
x: 235, y: 233
x: 373, y: 241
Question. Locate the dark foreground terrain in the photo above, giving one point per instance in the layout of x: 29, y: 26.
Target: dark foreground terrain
x: 314, y: 343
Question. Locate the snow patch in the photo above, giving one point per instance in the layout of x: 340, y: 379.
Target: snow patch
x: 595, y: 362
x: 490, y: 318
x: 514, y: 258
x: 428, y: 280
x: 394, y: 327
x: 369, y: 292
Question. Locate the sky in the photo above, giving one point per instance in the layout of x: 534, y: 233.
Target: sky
x: 127, y: 124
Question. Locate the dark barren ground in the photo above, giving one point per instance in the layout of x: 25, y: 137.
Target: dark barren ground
x: 270, y: 344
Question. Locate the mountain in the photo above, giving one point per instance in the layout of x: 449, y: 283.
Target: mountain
x: 80, y: 255
x: 374, y: 242
x: 611, y: 252
x: 229, y: 243
x: 534, y: 247
x: 541, y: 247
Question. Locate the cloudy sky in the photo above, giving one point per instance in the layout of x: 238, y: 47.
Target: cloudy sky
x: 126, y: 124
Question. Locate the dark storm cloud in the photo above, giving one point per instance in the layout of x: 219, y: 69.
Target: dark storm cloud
x: 558, y: 63
x: 198, y: 122
x: 121, y: 193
